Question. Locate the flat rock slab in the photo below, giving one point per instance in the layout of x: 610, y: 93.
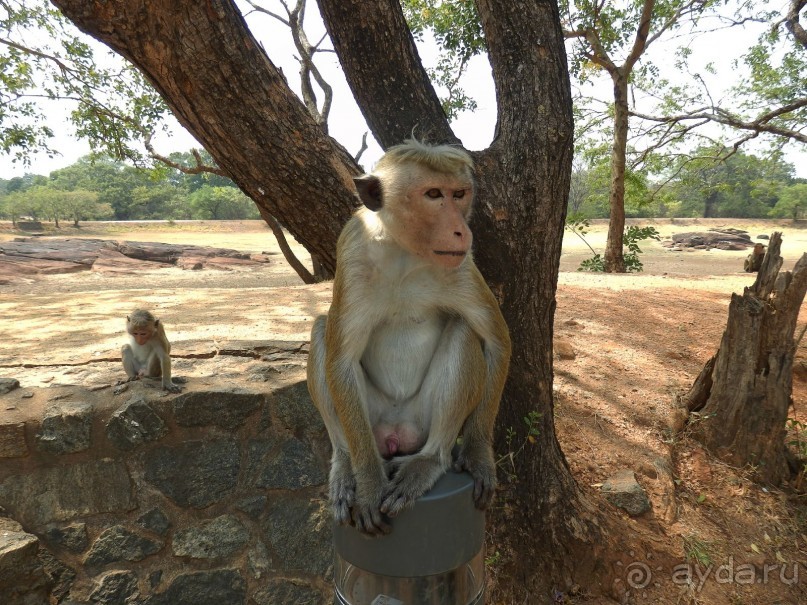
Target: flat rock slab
x: 38, y: 256
x: 726, y: 239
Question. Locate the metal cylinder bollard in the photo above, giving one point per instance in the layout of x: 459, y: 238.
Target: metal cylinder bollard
x: 433, y: 556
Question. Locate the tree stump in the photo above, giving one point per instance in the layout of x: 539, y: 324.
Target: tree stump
x: 739, y: 402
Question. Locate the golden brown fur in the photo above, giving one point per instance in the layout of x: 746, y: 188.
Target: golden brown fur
x: 414, y: 350
x: 148, y: 352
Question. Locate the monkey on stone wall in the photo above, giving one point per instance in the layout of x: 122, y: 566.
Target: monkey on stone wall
x: 148, y: 352
x: 414, y: 351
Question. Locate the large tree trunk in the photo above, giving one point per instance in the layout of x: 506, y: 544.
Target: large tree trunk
x: 742, y: 395
x: 614, y: 258
x: 222, y: 87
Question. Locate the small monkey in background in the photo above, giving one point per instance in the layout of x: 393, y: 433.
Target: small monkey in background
x: 148, y: 352
x: 753, y: 262
x: 414, y: 351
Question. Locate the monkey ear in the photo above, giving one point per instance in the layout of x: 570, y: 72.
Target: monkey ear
x: 369, y: 188
x: 156, y: 323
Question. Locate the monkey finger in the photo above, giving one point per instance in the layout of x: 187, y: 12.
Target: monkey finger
x: 341, y: 513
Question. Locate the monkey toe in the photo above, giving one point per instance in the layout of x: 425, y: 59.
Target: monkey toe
x: 370, y: 521
x: 483, y: 494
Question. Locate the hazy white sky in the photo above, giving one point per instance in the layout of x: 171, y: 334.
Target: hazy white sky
x: 346, y: 123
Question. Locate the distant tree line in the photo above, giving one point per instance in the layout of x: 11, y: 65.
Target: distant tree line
x: 106, y: 189
x: 704, y: 184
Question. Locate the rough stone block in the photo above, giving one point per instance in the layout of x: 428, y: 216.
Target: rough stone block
x: 225, y: 409
x: 156, y: 521
x: 61, y: 493
x: 291, y: 466
x: 221, y: 537
x: 22, y: 576
x: 289, y: 592
x: 299, y: 532
x: 8, y: 384
x: 195, y: 473
x: 12, y: 440
x: 622, y: 490
x: 296, y: 411
x: 121, y: 544
x: 71, y: 537
x: 218, y: 587
x: 253, y: 505
x: 66, y: 428
x: 133, y: 424
x: 116, y: 588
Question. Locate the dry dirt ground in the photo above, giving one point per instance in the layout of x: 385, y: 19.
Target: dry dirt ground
x: 637, y: 339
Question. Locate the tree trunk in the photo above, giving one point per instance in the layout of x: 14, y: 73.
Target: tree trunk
x: 614, y: 258
x: 742, y: 396
x: 222, y: 87
x: 397, y: 103
x: 710, y: 205
x: 541, y: 517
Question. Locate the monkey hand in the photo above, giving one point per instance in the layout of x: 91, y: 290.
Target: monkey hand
x: 366, y: 513
x: 413, y: 476
x: 342, y: 490
x: 479, y: 462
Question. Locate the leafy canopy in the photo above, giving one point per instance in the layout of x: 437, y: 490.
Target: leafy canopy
x: 43, y: 57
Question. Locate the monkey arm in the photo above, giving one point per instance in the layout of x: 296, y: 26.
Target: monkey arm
x: 345, y: 340
x: 345, y: 379
x: 476, y: 454
x: 162, y: 348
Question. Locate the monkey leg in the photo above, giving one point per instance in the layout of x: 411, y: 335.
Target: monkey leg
x: 129, y: 362
x: 452, y: 388
x: 342, y: 480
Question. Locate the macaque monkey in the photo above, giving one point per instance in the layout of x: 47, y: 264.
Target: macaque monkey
x: 148, y: 352
x: 414, y: 351
x: 753, y: 262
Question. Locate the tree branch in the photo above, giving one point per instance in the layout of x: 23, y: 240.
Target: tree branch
x: 758, y: 126
x: 792, y: 21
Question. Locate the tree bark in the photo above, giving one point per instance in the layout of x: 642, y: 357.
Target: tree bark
x: 395, y: 94
x: 742, y: 396
x: 221, y: 86
x: 542, y: 518
x: 614, y: 258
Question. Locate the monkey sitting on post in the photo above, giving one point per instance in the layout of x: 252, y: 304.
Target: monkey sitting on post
x: 148, y: 352
x: 414, y: 351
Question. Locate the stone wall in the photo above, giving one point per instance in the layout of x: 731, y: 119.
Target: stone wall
x: 204, y: 498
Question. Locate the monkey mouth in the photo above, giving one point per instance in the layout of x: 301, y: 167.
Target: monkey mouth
x: 451, y: 252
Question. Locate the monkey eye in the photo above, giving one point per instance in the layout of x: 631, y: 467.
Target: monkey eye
x: 459, y: 194
x: 434, y: 193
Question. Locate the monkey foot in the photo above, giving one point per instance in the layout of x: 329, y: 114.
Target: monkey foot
x: 414, y: 477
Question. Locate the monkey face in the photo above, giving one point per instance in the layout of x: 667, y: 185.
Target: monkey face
x: 141, y: 335
x: 431, y: 219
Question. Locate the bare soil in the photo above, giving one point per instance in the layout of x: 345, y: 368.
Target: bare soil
x: 638, y: 340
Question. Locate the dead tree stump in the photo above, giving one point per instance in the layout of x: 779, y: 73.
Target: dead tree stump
x: 742, y: 395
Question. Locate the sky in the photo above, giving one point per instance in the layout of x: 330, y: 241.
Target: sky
x: 346, y: 124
